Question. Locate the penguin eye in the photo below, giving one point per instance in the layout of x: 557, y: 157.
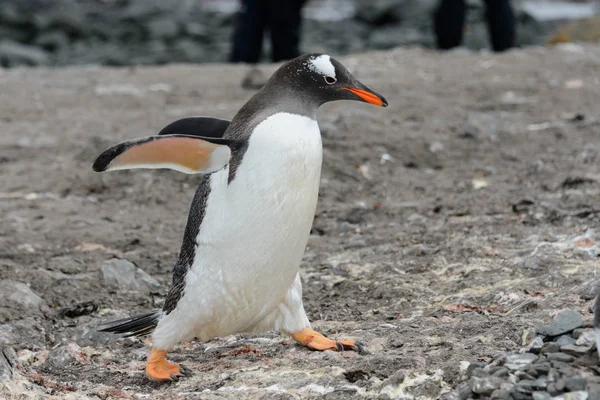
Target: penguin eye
x: 330, y: 80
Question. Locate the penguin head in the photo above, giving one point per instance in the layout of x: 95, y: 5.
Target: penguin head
x: 319, y: 78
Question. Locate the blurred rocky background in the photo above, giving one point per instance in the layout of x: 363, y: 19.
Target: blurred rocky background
x: 133, y: 32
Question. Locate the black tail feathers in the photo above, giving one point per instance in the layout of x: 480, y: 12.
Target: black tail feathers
x: 138, y: 325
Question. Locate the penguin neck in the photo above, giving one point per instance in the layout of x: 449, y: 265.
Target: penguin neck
x: 272, y: 99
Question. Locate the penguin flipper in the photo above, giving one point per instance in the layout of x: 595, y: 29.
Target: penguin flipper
x: 197, y: 126
x: 183, y: 153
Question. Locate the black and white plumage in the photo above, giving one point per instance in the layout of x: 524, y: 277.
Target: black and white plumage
x: 251, y: 216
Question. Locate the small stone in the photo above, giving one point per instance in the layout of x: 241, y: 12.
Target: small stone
x: 19, y: 297
x: 542, y: 369
x: 501, y: 395
x: 552, y: 390
x: 476, y: 370
x: 66, y: 355
x: 463, y: 391
x: 550, y: 347
x: 565, y: 340
x: 254, y: 79
x: 541, y: 396
x: 162, y: 28
x: 486, y: 386
x: 575, y: 383
x: 577, y: 332
x: 124, y: 273
x: 576, y: 351
x: 501, y: 372
x: 536, y: 345
x: 560, y: 357
x: 593, y: 390
x: 521, y: 375
x: 561, y: 384
x: 586, y: 338
x: 13, y: 54
x: 565, y: 321
x: 519, y: 361
x: 580, y: 395
x: 6, y: 365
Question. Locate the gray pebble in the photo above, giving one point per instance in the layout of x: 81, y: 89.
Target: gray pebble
x: 124, y: 273
x: 501, y: 372
x: 577, y: 332
x: 541, y: 396
x: 564, y: 340
x: 486, y: 385
x: 519, y: 361
x: 501, y: 395
x: 536, y: 344
x: 550, y: 347
x: 593, y: 390
x: 479, y: 372
x: 581, y: 395
x: 560, y: 357
x: 586, y: 338
x: 565, y: 321
x: 575, y: 383
x: 574, y: 350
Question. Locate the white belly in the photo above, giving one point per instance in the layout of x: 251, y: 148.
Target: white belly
x: 255, y: 229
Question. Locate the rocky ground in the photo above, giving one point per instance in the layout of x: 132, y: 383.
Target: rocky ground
x: 134, y: 32
x: 452, y: 229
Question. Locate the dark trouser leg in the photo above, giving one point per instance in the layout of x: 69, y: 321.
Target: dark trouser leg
x: 501, y: 24
x: 449, y: 20
x: 248, y: 34
x: 285, y: 17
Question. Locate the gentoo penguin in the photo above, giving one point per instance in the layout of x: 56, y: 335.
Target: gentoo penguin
x: 251, y: 215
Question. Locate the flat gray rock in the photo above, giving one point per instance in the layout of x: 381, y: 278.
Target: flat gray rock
x: 565, y: 321
x: 123, y: 273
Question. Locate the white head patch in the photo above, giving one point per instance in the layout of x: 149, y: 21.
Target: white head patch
x: 322, y: 64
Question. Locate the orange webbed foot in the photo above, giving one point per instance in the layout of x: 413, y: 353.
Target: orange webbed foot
x: 317, y: 341
x: 159, y: 369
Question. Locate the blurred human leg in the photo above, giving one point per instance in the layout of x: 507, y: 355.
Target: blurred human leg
x: 285, y: 17
x: 501, y: 24
x: 449, y: 20
x: 248, y: 33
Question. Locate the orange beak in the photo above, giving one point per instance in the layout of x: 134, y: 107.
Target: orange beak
x: 369, y: 97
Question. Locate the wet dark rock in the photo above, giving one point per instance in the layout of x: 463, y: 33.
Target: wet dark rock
x: 565, y: 321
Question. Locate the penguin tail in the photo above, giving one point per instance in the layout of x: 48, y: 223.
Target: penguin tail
x: 138, y: 325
